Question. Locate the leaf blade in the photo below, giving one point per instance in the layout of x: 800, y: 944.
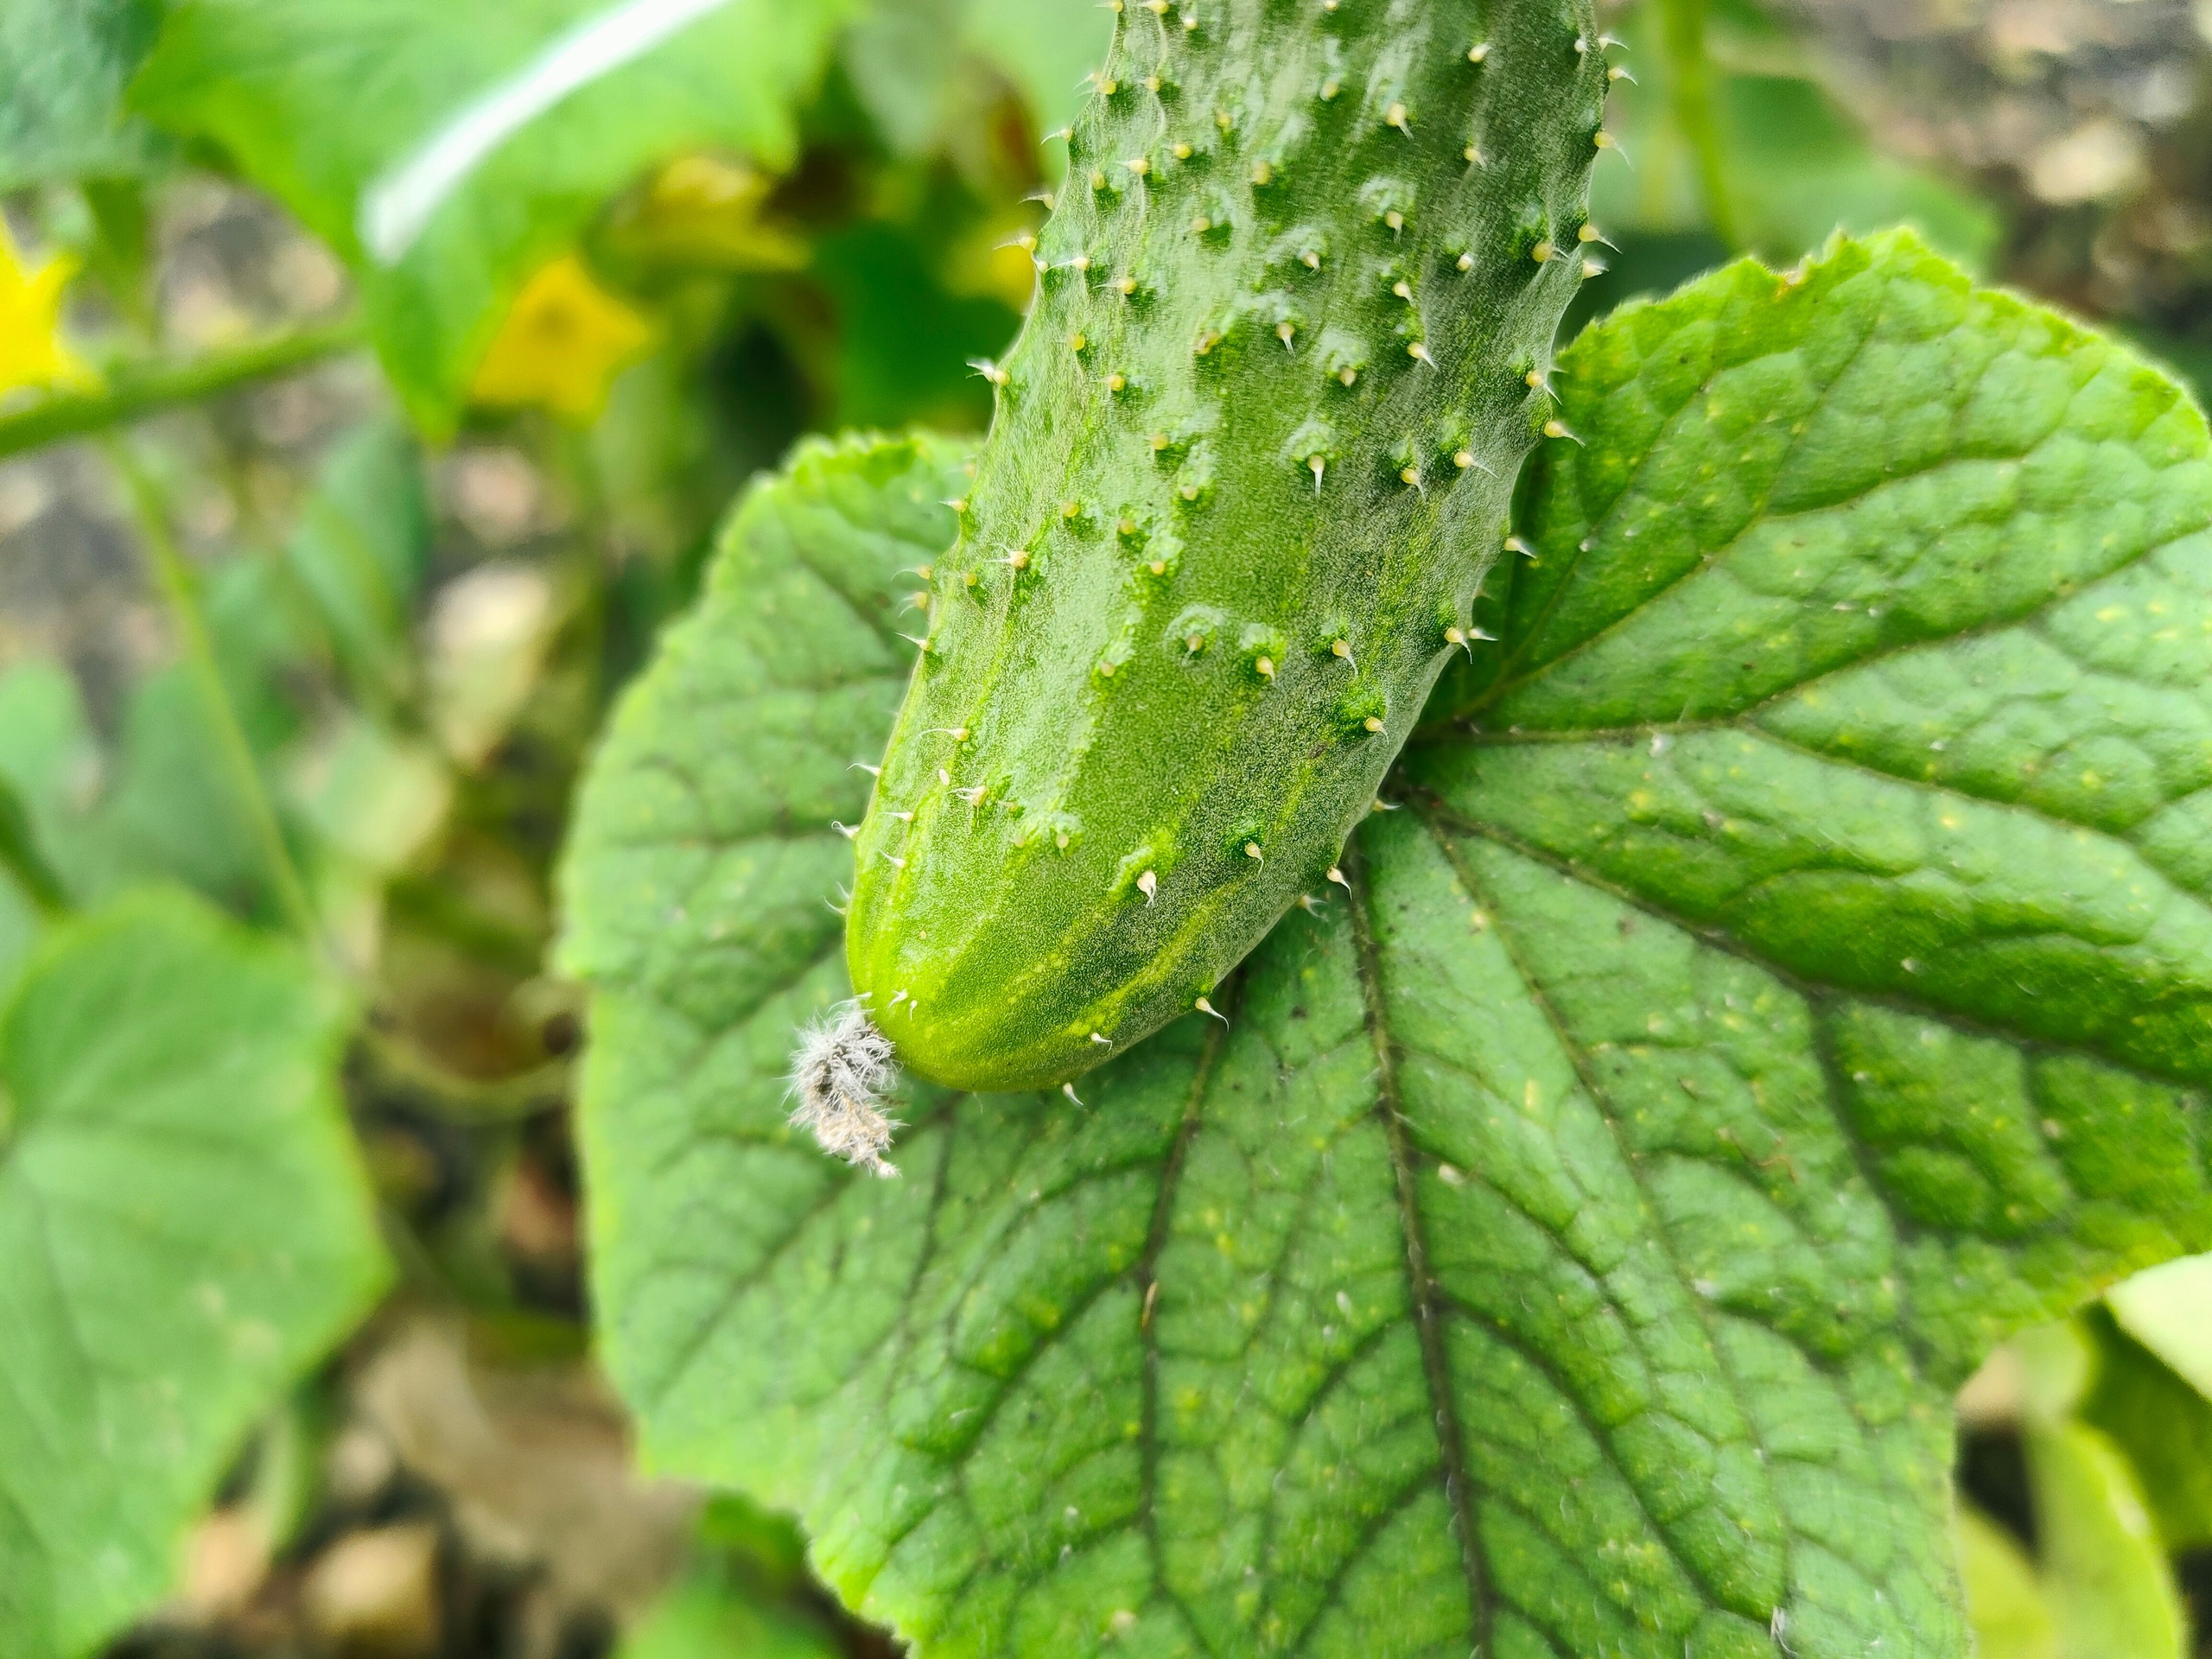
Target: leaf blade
x: 1556, y: 1252
x: 67, y: 66
x: 187, y: 1227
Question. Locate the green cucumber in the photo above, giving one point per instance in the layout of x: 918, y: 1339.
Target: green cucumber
x: 1253, y: 452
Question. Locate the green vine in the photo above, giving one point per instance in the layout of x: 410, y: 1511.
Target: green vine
x: 173, y: 577
x: 135, y: 392
x: 1689, y: 71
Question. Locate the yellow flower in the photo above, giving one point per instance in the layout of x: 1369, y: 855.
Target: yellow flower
x: 561, y: 345
x: 31, y: 350
x: 704, y: 210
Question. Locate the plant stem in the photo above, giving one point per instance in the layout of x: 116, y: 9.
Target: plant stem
x: 433, y: 909
x: 174, y: 578
x: 395, y: 1067
x: 1689, y: 71
x: 147, y: 389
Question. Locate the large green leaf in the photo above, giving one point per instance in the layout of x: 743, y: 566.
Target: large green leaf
x: 349, y: 109
x: 1570, y: 1241
x: 184, y: 1228
x: 63, y: 66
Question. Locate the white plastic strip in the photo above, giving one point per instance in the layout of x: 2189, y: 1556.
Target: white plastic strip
x: 400, y: 202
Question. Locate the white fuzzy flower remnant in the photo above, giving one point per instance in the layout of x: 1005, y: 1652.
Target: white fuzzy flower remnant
x: 841, y: 1072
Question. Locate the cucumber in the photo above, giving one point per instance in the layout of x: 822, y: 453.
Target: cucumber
x: 1251, y: 455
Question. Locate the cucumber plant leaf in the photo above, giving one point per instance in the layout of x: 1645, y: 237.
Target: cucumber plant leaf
x: 1754, y: 1009
x: 2162, y: 1423
x: 2105, y: 1571
x: 745, y: 1592
x: 911, y: 62
x: 46, y: 742
x: 2011, y: 1612
x: 66, y: 64
x: 361, y: 549
x: 184, y: 1229
x: 2099, y: 1494
x: 448, y: 148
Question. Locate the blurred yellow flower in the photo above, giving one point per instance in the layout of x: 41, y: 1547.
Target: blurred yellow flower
x: 705, y: 210
x: 562, y: 344
x: 31, y: 349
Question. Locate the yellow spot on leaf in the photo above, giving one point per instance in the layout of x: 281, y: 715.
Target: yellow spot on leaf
x: 561, y: 345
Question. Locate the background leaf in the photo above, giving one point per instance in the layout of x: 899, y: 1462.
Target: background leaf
x: 2104, y: 1572
x: 166, y: 811
x: 2165, y: 1426
x: 360, y: 549
x: 47, y: 762
x: 2012, y: 1618
x: 1570, y: 1244
x: 702, y: 1617
x: 174, y: 812
x: 185, y: 1228
x: 317, y: 102
x: 1793, y: 168
x: 739, y: 1596
x: 2091, y: 1577
x: 907, y: 58
x: 65, y: 64
x: 2163, y: 1310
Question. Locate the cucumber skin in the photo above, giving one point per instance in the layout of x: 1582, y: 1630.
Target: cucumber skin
x: 1148, y: 480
